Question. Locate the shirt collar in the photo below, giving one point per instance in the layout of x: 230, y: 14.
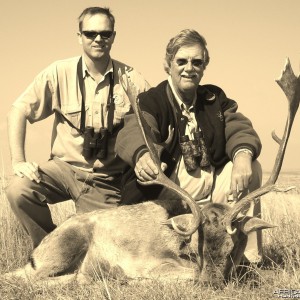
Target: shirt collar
x: 86, y: 73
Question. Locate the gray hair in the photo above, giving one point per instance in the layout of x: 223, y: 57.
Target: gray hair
x: 186, y: 37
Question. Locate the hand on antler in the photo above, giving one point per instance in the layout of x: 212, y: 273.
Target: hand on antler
x: 152, y: 157
x: 241, y: 174
x: 145, y: 169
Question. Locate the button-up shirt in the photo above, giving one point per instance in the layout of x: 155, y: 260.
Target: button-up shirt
x: 56, y: 91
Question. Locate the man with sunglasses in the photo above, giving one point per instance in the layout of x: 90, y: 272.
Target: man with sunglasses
x: 211, y: 148
x: 88, y: 102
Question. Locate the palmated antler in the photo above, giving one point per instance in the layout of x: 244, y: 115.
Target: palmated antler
x: 161, y: 178
x: 290, y: 84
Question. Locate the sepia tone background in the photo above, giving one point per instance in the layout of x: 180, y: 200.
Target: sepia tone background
x: 248, y: 43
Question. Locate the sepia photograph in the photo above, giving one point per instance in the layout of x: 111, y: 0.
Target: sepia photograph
x: 149, y: 150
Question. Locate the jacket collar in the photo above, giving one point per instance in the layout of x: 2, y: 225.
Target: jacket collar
x: 205, y: 94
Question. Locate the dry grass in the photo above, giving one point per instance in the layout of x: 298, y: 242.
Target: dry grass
x: 281, y: 248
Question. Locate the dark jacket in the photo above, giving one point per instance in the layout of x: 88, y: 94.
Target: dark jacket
x: 225, y: 131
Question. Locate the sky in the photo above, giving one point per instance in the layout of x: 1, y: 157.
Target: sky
x: 248, y: 42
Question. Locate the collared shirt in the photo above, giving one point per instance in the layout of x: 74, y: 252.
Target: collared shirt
x: 197, y: 183
x: 96, y: 97
x: 56, y: 91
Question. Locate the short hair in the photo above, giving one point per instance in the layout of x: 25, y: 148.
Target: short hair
x: 94, y: 11
x: 186, y: 37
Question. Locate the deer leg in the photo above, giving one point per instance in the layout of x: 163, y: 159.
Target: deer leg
x: 173, y: 271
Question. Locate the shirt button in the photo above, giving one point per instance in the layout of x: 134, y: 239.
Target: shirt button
x: 96, y: 112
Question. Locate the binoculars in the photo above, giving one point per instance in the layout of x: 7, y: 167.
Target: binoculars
x: 194, y: 152
x: 95, y: 143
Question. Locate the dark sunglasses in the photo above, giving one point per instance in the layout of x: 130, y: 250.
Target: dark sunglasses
x: 105, y: 34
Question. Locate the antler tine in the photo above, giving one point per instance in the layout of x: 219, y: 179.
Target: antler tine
x: 290, y: 84
x: 161, y: 178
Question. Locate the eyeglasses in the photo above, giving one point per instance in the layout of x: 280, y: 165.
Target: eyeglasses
x: 195, y: 62
x: 105, y: 34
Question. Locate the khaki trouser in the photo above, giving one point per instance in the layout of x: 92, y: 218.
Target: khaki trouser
x: 59, y: 182
x: 253, y: 251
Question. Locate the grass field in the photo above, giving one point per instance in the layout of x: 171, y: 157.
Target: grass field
x: 281, y: 258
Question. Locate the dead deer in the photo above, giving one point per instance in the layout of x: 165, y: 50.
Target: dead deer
x: 142, y: 241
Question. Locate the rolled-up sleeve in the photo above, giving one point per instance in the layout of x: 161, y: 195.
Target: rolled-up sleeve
x: 36, y: 102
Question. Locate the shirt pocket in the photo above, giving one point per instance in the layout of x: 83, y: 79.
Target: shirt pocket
x: 73, y: 114
x: 122, y: 106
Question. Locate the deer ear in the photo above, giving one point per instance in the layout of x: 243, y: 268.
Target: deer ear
x: 183, y: 222
x: 252, y: 224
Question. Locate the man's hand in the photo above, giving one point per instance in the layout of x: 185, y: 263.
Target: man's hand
x: 28, y: 169
x: 145, y: 169
x: 241, y: 174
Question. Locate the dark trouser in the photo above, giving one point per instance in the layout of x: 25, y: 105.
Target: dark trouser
x: 59, y: 182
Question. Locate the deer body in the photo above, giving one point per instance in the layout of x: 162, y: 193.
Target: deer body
x: 127, y: 242
x: 136, y: 241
